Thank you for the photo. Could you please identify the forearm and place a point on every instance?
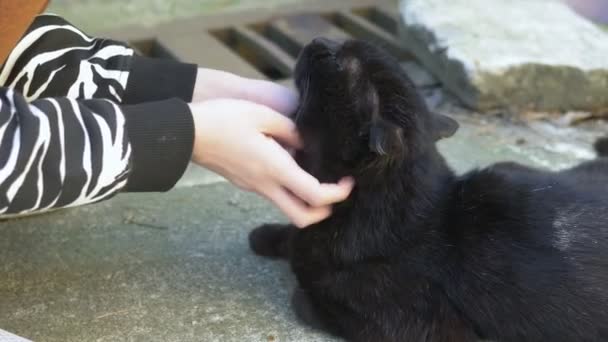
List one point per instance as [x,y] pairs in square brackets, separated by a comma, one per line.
[60,152]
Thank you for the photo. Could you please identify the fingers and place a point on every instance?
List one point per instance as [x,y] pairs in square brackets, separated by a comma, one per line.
[308,188]
[215,84]
[295,192]
[298,212]
[288,173]
[282,99]
[277,126]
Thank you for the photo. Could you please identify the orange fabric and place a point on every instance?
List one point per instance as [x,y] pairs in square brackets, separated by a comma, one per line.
[15,17]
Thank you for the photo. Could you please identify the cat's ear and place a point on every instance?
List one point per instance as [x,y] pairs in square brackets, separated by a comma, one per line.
[385,138]
[443,126]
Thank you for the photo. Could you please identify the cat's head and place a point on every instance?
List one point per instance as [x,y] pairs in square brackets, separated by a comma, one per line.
[359,111]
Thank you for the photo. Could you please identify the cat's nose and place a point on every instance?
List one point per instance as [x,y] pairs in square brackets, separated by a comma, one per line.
[327,43]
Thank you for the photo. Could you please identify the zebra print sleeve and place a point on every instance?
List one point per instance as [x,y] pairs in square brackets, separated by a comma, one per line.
[75,127]
[59,152]
[55,59]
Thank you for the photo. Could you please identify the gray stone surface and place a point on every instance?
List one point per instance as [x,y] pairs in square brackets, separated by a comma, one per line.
[171,267]
[177,267]
[518,53]
[196,175]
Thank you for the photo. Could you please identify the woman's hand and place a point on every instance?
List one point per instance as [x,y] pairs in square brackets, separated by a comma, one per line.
[214,84]
[239,140]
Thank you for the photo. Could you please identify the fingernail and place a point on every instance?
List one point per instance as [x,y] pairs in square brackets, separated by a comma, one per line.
[348,181]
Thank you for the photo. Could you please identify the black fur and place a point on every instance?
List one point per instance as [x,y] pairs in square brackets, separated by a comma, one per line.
[507,253]
[601,146]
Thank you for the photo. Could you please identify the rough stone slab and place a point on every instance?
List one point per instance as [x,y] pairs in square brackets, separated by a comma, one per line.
[510,53]
[147,267]
[176,267]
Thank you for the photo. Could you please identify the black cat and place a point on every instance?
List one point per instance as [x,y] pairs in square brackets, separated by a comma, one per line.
[506,253]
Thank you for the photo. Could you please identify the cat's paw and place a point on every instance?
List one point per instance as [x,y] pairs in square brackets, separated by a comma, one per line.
[270,240]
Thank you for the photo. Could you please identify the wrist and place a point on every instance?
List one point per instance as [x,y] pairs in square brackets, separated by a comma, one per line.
[160,135]
[202,149]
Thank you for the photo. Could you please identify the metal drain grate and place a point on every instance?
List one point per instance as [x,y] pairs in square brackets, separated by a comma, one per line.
[266,45]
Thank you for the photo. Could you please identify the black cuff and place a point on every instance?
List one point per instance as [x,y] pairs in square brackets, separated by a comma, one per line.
[154,79]
[161,135]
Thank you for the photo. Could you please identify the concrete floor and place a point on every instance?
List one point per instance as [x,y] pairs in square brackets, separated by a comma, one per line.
[176,266]
[171,267]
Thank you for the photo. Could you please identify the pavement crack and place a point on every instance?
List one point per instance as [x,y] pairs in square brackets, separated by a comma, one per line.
[119,312]
[146,225]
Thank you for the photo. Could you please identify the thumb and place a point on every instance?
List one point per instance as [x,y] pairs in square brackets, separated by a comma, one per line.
[277,126]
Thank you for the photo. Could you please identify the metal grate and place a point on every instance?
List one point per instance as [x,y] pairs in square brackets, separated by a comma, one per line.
[266,44]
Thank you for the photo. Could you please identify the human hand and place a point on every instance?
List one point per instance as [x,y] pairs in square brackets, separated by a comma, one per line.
[239,140]
[214,84]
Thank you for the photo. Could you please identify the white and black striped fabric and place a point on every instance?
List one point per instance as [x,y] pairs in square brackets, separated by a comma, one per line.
[71,132]
[54,59]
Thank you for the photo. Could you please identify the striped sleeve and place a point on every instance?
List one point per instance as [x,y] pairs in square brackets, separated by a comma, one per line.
[59,152]
[55,59]
[82,118]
